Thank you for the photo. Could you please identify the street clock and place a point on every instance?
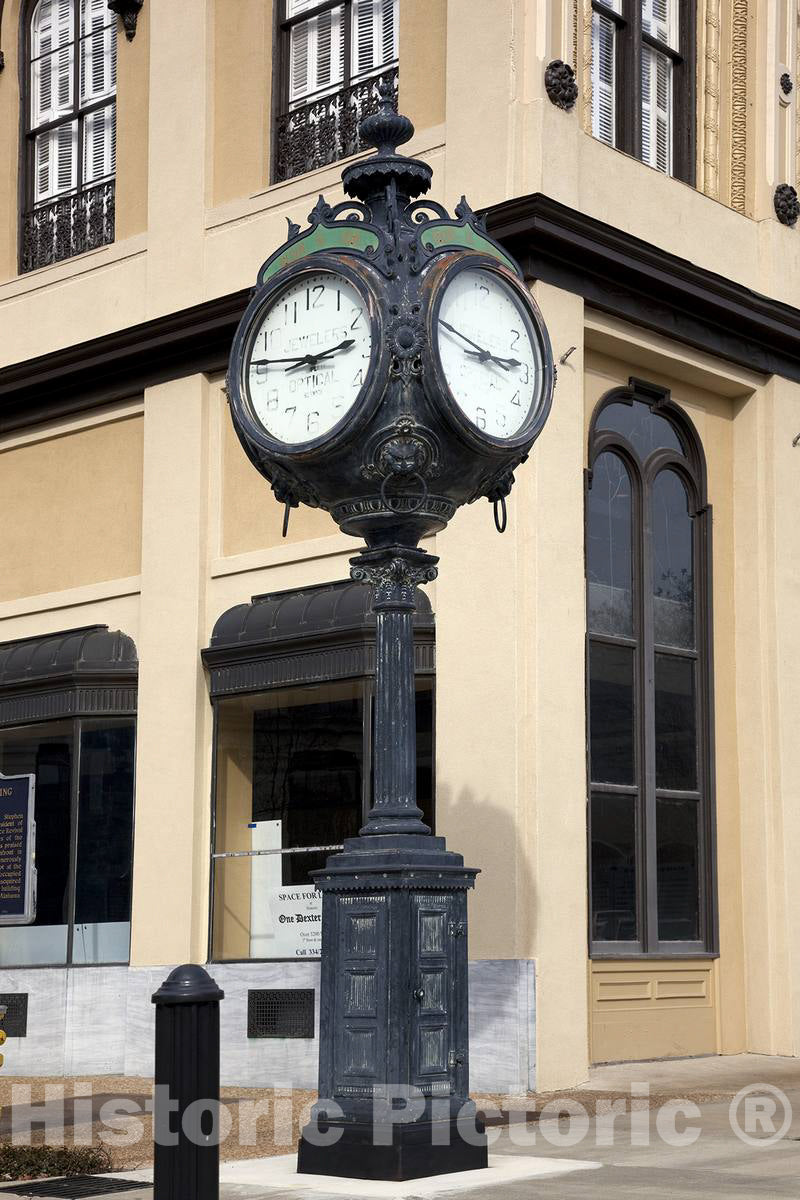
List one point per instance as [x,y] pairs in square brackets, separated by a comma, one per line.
[391,365]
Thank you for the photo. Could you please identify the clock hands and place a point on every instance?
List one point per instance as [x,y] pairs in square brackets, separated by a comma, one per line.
[307,360]
[479,352]
[485,356]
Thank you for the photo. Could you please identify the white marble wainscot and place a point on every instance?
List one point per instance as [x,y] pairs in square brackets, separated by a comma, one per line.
[265,1062]
[502,1026]
[94,1033]
[101,1020]
[41,1051]
[140,1018]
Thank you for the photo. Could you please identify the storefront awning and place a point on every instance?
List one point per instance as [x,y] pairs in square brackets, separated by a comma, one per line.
[304,636]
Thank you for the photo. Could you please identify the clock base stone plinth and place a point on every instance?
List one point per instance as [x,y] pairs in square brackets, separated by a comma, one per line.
[395,1153]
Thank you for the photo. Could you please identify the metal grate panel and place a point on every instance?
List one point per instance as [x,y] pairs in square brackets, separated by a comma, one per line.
[16,1019]
[280,1013]
[75,1187]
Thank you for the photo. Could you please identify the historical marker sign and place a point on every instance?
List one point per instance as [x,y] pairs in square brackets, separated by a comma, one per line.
[17,844]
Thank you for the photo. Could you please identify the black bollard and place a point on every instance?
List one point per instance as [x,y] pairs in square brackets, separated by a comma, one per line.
[186,1138]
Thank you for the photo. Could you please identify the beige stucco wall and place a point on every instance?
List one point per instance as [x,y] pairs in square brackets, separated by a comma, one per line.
[76,505]
[242,98]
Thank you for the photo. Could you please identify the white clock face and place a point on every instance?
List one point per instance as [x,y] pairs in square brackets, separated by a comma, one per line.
[490,355]
[309,357]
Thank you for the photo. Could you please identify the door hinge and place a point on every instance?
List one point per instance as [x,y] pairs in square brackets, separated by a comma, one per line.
[456,1058]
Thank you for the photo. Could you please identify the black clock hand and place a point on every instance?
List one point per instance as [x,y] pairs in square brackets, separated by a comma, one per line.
[485,356]
[479,352]
[458,333]
[299,358]
[311,360]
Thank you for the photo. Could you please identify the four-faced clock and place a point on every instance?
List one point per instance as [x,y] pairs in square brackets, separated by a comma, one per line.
[492,353]
[306,357]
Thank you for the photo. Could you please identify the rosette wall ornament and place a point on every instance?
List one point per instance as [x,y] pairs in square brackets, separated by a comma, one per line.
[391,367]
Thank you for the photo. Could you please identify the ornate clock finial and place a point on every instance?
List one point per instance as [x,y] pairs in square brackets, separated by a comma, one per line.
[386,130]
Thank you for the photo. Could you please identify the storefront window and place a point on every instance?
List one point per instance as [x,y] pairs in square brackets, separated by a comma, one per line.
[83,808]
[293,780]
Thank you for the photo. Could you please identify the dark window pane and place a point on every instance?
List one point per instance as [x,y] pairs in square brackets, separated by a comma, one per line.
[678,892]
[45,751]
[290,774]
[307,764]
[611,715]
[645,430]
[105,843]
[673,559]
[676,724]
[614,868]
[608,548]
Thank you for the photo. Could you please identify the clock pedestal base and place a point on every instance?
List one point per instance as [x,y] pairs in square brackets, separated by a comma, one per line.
[395,1152]
[394,1040]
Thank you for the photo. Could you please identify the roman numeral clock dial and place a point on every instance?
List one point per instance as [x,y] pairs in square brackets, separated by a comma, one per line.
[309,358]
[491,353]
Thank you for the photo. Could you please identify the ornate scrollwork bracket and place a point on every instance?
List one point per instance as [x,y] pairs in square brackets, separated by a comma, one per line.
[394,572]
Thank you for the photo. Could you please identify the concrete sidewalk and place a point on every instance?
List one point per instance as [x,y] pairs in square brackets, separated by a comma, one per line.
[667,1152]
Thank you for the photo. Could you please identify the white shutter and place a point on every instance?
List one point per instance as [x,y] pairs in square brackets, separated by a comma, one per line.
[660,20]
[56,161]
[53,60]
[603,78]
[374,34]
[100,144]
[316,55]
[98,51]
[656,110]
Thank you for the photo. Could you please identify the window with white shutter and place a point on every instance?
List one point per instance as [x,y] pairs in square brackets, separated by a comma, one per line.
[603,78]
[71,128]
[332,56]
[643,88]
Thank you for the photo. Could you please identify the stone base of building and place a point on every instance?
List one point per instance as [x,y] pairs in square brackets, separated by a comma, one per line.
[100,1021]
[394,1152]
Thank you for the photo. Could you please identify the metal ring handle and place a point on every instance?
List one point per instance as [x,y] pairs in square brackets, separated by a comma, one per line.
[388,502]
[500,524]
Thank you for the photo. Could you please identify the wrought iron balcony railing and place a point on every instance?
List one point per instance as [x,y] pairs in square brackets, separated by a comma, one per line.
[326,129]
[68,226]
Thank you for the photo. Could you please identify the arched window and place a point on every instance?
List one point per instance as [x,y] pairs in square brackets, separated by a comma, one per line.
[649,679]
[70,124]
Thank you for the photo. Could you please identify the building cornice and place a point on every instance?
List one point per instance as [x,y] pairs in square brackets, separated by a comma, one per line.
[642,283]
[120,364]
[613,271]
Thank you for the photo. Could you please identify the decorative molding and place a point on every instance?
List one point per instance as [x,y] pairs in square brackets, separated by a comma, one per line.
[787,206]
[129,11]
[575,6]
[586,73]
[560,84]
[797,106]
[739,105]
[711,94]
